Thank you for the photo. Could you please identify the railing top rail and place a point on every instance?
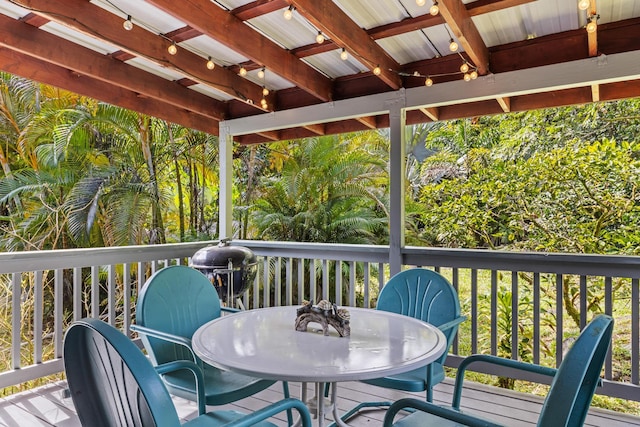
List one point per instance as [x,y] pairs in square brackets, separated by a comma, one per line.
[538,262]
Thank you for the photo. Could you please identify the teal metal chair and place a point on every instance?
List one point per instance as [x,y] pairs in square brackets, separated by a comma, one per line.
[113,384]
[426,295]
[173,303]
[566,405]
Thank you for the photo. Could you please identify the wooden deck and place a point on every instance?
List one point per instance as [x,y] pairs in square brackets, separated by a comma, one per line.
[48,406]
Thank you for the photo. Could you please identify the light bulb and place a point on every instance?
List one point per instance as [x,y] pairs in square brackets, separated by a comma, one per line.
[583,4]
[128,25]
[344,55]
[377,70]
[592,26]
[474,75]
[428,82]
[453,46]
[261,73]
[172,49]
[467,77]
[420,2]
[464,68]
[265,91]
[243,71]
[434,10]
[319,38]
[210,64]
[288,14]
[263,103]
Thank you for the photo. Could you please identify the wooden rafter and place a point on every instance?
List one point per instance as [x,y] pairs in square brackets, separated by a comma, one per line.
[593,36]
[332,21]
[28,40]
[459,20]
[232,32]
[35,69]
[98,23]
[432,113]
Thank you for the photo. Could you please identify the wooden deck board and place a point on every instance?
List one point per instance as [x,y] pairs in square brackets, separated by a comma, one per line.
[47,406]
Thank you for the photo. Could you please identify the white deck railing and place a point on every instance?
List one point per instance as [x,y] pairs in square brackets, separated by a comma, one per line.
[515,302]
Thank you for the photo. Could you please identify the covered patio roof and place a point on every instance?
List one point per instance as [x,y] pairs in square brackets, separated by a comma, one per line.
[333,67]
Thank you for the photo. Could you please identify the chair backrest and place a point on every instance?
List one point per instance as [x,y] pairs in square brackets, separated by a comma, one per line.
[112,383]
[176,300]
[423,294]
[575,383]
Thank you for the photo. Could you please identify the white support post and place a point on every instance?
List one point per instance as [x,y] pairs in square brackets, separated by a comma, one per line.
[225,201]
[397,122]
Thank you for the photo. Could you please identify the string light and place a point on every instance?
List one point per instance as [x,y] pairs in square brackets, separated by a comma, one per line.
[464,67]
[263,103]
[265,91]
[288,14]
[467,77]
[261,73]
[434,9]
[474,75]
[420,2]
[583,4]
[592,26]
[377,70]
[172,49]
[453,46]
[128,24]
[344,55]
[428,82]
[243,71]
[210,64]
[319,38]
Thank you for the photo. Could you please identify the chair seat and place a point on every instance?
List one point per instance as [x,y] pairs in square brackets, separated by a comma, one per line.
[412,381]
[225,387]
[220,418]
[422,419]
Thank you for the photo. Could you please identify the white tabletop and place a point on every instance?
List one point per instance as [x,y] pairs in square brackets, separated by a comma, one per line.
[263,343]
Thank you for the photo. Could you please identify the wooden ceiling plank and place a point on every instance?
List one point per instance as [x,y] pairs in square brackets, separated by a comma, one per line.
[505,103]
[97,22]
[433,113]
[459,20]
[480,7]
[332,21]
[212,20]
[34,42]
[35,69]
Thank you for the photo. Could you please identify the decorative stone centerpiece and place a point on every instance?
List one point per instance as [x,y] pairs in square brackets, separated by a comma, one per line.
[324,313]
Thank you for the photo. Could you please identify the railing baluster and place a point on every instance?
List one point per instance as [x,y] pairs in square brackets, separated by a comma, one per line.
[338,286]
[455,282]
[559,328]
[635,330]
[325,279]
[58,311]
[352,283]
[474,311]
[367,285]
[77,293]
[38,316]
[111,293]
[608,309]
[95,291]
[289,281]
[277,282]
[536,318]
[312,281]
[126,290]
[266,283]
[583,301]
[514,315]
[301,293]
[494,312]
[16,317]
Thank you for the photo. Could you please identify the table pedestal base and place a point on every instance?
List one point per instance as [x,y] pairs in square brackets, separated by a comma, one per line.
[319,412]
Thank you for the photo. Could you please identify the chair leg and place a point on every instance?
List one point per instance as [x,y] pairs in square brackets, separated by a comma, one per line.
[285,391]
[429,394]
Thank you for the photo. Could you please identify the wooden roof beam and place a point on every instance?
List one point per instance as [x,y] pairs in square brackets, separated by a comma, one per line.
[592,37]
[97,22]
[459,20]
[29,40]
[433,113]
[235,34]
[505,103]
[38,70]
[332,21]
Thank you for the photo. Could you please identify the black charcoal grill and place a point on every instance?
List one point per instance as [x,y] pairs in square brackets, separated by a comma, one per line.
[224,263]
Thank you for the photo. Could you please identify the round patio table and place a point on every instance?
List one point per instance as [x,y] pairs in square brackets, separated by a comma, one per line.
[263,343]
